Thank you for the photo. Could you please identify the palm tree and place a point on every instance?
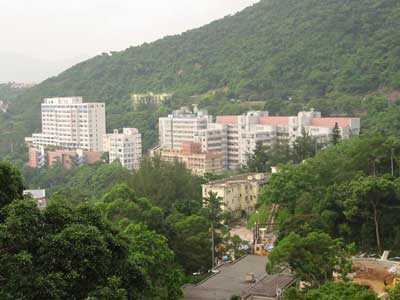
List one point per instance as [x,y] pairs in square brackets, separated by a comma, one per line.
[213,212]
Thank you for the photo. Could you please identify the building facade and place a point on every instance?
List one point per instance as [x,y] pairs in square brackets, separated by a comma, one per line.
[40,157]
[236,137]
[149,99]
[39,196]
[181,127]
[3,106]
[198,162]
[69,123]
[125,146]
[246,131]
[239,193]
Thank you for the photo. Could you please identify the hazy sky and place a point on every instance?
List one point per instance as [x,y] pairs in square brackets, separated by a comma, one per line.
[56,30]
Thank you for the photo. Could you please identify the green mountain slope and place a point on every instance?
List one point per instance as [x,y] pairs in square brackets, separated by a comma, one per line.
[275,49]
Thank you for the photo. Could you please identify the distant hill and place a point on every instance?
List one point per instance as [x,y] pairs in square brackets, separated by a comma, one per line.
[276,49]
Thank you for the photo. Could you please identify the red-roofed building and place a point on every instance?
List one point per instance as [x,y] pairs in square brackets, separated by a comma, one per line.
[273,121]
[330,122]
[237,136]
[244,132]
[227,119]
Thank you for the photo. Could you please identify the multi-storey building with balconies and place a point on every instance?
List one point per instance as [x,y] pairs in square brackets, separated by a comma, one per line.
[125,147]
[181,127]
[236,137]
[246,131]
[69,123]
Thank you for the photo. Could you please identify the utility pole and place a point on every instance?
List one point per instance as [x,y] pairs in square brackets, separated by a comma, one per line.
[392,160]
[212,246]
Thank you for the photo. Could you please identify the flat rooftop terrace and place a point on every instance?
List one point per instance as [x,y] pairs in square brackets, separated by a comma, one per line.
[230,280]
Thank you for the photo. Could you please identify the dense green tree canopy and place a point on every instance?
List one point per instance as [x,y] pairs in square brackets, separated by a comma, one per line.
[346,190]
[333,291]
[312,257]
[84,183]
[190,238]
[11,185]
[166,184]
[73,253]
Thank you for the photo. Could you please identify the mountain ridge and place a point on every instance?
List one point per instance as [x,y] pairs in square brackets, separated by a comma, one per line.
[275,49]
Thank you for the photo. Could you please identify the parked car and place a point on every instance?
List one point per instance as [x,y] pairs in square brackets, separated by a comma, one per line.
[395,259]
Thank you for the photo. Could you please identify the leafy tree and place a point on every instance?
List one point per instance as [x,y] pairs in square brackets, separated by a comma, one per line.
[58,256]
[112,291]
[304,147]
[122,207]
[166,184]
[312,195]
[86,183]
[333,291]
[189,237]
[213,212]
[368,198]
[11,185]
[72,253]
[312,258]
[335,134]
[265,157]
[258,161]
[235,245]
[150,251]
[394,294]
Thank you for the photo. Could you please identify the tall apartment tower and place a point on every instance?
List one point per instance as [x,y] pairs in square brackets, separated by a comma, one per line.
[181,127]
[125,147]
[69,123]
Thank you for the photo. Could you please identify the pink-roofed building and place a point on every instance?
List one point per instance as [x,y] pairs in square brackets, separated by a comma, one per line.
[274,121]
[244,132]
[236,136]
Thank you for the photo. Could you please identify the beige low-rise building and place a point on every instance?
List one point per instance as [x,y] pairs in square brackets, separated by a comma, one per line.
[39,196]
[198,162]
[149,99]
[239,193]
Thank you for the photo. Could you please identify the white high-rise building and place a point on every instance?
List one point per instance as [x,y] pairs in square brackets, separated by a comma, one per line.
[237,136]
[69,123]
[125,147]
[181,127]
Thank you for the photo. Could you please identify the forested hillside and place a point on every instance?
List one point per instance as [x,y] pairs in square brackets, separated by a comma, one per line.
[309,50]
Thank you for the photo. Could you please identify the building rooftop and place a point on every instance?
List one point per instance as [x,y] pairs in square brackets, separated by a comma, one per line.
[35,194]
[230,280]
[273,120]
[227,119]
[242,177]
[284,120]
[330,122]
[270,285]
[63,100]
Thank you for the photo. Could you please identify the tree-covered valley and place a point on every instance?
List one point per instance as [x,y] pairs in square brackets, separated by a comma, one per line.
[113,234]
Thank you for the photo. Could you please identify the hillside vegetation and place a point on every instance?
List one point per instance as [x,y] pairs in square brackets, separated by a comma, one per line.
[275,50]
